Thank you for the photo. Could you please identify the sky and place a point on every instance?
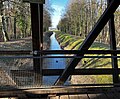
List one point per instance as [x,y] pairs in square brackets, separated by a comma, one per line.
[59,7]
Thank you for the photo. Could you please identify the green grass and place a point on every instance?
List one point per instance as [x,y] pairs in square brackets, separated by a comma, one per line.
[71,42]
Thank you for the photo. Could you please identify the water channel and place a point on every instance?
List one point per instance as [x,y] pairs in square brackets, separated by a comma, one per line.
[53,63]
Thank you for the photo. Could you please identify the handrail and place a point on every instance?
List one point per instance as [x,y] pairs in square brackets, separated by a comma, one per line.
[56,72]
[44,52]
[39,57]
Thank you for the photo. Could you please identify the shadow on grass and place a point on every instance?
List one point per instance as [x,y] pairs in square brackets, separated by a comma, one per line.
[96,62]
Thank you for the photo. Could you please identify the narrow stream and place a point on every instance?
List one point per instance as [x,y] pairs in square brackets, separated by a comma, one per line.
[53,63]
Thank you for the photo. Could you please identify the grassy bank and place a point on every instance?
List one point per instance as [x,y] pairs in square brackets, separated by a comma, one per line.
[70,42]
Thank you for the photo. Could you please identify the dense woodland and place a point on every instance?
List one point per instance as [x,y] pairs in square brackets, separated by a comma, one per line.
[81,15]
[78,19]
[15,19]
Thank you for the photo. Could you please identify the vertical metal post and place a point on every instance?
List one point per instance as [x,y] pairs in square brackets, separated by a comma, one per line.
[113,47]
[40,13]
[37,39]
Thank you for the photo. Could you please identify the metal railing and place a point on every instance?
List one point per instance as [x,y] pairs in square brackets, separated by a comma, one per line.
[23,78]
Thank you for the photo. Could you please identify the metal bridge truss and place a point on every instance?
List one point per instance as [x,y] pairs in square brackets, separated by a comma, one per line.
[37,53]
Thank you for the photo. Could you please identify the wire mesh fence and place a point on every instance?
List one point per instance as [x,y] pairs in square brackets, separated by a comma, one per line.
[18,71]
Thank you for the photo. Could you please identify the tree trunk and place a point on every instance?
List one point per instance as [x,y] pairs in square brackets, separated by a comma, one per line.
[6,38]
[1,13]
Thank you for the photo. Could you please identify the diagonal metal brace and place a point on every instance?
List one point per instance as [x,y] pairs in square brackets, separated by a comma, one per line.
[114,4]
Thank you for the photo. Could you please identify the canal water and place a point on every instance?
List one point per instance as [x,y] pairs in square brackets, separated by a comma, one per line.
[53,63]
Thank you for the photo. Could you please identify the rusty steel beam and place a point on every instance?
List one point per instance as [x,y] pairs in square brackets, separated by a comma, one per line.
[89,40]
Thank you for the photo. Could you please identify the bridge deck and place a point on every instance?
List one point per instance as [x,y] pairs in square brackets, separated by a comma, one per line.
[89,96]
[65,92]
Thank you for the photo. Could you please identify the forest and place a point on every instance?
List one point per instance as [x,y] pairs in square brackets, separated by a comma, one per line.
[15,19]
[80,17]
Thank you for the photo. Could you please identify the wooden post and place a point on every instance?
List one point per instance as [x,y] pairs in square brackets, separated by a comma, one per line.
[113,47]
[37,39]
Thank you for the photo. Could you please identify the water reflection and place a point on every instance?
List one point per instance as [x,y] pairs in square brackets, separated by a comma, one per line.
[53,63]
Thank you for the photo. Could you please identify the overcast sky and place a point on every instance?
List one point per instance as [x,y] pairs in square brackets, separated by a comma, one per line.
[59,7]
